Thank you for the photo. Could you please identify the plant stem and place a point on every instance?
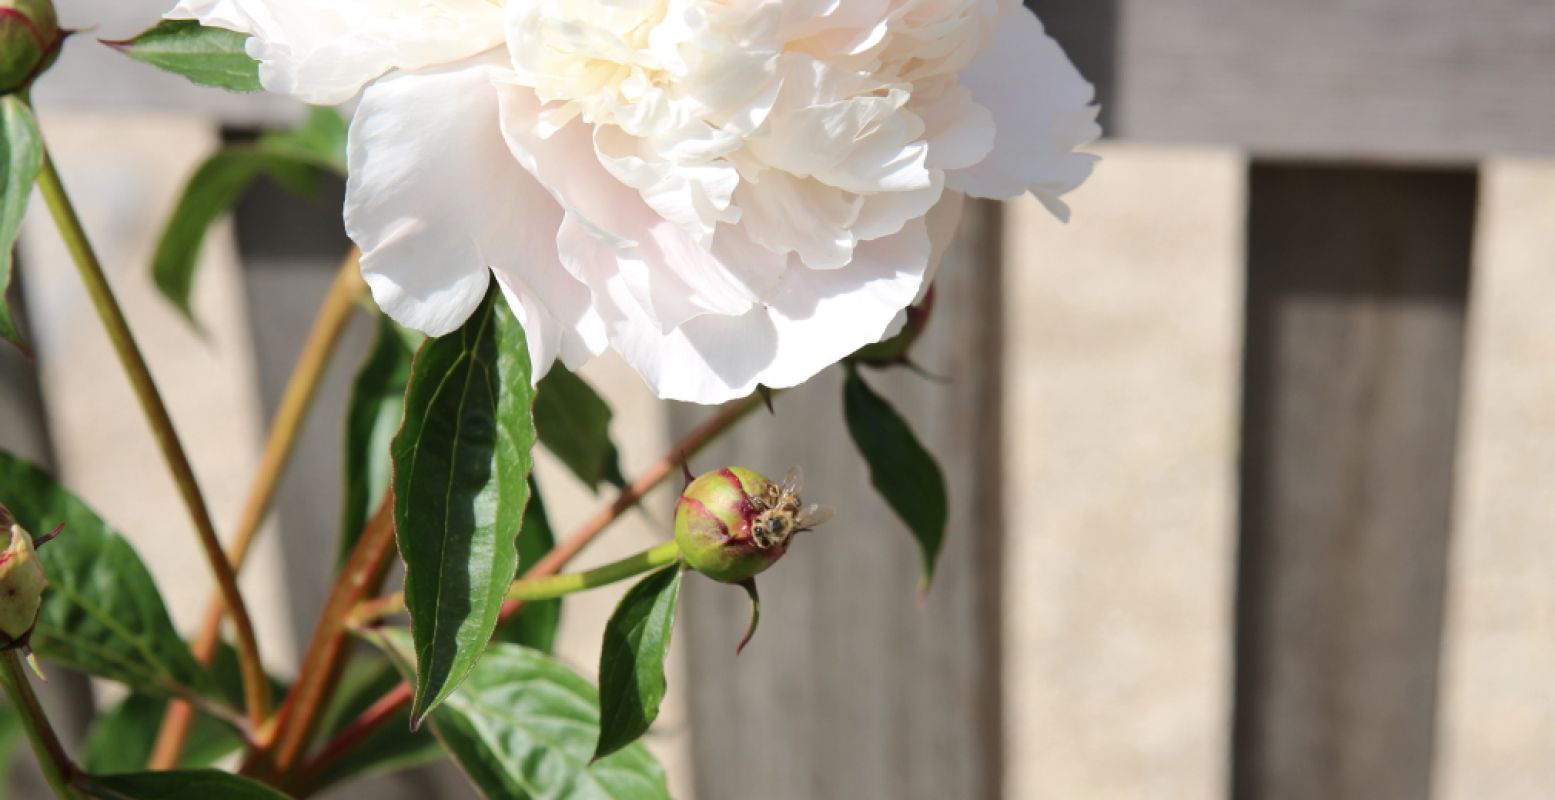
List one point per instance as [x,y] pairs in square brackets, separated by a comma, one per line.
[57,767]
[256,687]
[548,587]
[360,578]
[284,429]
[384,710]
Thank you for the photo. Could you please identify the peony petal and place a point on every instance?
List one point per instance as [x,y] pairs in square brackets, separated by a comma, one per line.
[324,51]
[1042,112]
[816,318]
[435,198]
[669,273]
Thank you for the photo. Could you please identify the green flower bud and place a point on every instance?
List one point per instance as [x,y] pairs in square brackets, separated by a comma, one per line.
[733,523]
[21,582]
[29,40]
[893,351]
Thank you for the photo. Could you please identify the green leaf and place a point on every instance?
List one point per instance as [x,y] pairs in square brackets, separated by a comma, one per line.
[191,784]
[631,660]
[904,473]
[21,156]
[292,158]
[122,739]
[535,624]
[461,468]
[101,614]
[207,56]
[392,747]
[320,140]
[574,423]
[523,726]
[373,415]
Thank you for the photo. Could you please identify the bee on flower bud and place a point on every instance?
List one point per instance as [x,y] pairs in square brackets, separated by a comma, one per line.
[733,523]
[29,41]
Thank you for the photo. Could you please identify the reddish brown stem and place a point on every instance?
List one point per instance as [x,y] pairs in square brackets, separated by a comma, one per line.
[386,708]
[328,650]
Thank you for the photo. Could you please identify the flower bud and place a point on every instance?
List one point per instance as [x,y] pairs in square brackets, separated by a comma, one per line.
[733,523]
[893,351]
[21,582]
[29,40]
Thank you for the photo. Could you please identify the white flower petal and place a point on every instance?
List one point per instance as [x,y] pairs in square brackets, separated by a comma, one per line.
[671,275]
[323,51]
[1042,112]
[816,318]
[435,198]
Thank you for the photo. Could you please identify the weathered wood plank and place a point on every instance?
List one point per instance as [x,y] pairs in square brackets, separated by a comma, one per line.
[1357,283]
[850,689]
[1383,79]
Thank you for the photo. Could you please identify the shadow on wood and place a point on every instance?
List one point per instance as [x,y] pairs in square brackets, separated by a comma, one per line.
[1357,284]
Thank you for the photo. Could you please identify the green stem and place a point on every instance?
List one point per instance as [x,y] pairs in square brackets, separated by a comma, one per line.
[256,686]
[57,767]
[549,587]
[535,589]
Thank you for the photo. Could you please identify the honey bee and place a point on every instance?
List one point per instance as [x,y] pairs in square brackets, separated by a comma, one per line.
[783,514]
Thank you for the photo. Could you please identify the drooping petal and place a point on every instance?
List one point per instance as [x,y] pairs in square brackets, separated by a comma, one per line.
[1042,112]
[814,319]
[324,51]
[435,198]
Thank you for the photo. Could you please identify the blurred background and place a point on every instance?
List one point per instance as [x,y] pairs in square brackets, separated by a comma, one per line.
[1252,465]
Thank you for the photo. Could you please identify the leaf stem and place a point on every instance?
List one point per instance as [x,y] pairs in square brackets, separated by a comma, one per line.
[57,767]
[256,687]
[301,388]
[545,587]
[384,710]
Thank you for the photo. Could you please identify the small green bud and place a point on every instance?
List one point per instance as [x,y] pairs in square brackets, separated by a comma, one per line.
[21,582]
[894,351]
[733,523]
[29,40]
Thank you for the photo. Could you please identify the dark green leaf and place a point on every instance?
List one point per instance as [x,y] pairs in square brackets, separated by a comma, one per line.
[392,747]
[320,140]
[101,614]
[631,660]
[122,739]
[207,56]
[461,468]
[292,158]
[904,473]
[373,415]
[192,784]
[21,156]
[523,726]
[536,623]
[574,423]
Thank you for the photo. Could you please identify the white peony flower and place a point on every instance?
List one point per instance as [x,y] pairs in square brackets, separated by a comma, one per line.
[726,192]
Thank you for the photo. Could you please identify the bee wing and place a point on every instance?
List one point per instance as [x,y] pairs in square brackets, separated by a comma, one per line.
[813,515]
[793,481]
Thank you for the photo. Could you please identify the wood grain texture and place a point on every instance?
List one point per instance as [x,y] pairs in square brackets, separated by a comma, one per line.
[1357,284]
[1436,80]
[850,689]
